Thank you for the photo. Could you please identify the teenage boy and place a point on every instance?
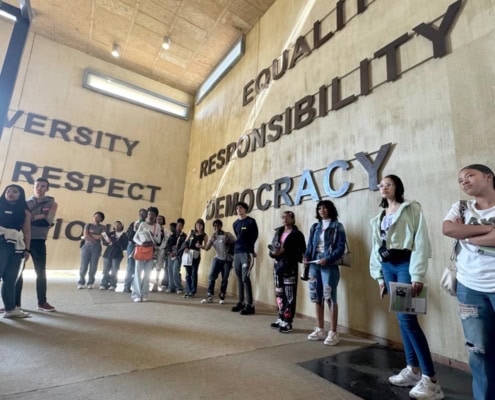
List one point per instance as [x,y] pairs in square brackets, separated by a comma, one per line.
[43,209]
[222,242]
[246,231]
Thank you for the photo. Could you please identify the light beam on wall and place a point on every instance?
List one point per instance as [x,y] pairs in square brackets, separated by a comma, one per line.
[234,55]
[134,94]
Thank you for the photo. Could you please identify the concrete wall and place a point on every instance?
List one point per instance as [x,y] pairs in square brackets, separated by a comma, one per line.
[49,88]
[438,116]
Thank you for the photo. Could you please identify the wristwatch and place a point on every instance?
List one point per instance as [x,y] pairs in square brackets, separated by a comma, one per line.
[467,240]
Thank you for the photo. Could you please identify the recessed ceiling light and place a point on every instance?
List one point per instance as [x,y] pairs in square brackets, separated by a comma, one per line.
[116,50]
[166,42]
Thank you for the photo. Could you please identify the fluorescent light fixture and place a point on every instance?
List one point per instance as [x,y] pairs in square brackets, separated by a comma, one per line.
[134,94]
[6,15]
[166,42]
[234,55]
[116,50]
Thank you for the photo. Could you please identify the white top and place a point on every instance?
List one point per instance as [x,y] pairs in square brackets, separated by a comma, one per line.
[147,233]
[320,248]
[474,270]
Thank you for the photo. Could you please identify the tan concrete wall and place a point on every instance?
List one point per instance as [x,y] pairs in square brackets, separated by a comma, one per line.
[50,84]
[438,116]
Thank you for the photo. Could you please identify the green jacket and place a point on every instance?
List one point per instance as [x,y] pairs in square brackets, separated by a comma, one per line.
[408,231]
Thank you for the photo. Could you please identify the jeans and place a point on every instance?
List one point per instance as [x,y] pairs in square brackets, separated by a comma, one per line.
[10,265]
[174,278]
[111,268]
[323,282]
[219,267]
[90,254]
[141,281]
[192,276]
[243,262]
[131,267]
[415,343]
[477,312]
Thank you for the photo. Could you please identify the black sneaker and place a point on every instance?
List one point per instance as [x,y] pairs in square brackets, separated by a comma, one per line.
[276,324]
[248,310]
[238,307]
[285,327]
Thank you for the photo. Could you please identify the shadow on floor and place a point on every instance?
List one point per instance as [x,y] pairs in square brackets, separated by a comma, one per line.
[364,372]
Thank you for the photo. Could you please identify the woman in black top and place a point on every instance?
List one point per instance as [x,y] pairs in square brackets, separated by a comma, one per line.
[15,237]
[197,238]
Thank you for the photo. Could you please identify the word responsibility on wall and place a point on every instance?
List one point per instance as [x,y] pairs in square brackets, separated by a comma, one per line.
[310,107]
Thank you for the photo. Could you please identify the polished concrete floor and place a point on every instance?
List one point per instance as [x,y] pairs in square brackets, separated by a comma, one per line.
[101,345]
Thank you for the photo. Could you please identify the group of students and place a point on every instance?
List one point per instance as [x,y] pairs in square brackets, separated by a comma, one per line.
[400,252]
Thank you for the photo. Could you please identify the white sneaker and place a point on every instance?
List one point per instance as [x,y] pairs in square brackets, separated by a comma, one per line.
[209,299]
[79,286]
[405,378]
[136,299]
[332,339]
[427,390]
[221,301]
[90,286]
[16,313]
[317,334]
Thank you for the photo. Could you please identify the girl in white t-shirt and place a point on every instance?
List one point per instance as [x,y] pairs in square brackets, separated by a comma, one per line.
[476,273]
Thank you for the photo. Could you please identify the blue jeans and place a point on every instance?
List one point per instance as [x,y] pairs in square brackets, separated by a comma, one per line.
[415,343]
[111,268]
[323,282]
[477,312]
[192,276]
[174,276]
[219,267]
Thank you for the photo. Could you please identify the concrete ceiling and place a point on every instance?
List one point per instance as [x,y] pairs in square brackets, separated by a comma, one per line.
[202,31]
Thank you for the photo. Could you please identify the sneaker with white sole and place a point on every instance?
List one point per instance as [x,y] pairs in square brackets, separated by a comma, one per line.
[91,286]
[221,301]
[332,339]
[209,299]
[16,313]
[46,307]
[79,286]
[405,378]
[317,334]
[276,324]
[285,327]
[136,299]
[426,389]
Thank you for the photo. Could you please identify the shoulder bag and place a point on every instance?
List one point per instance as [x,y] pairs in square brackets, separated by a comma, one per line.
[448,281]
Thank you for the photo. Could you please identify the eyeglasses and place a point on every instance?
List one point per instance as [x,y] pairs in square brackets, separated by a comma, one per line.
[384,185]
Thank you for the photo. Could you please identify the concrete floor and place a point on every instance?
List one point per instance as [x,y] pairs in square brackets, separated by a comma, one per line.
[101,345]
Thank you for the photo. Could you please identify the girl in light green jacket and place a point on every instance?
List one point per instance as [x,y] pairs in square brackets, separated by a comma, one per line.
[400,252]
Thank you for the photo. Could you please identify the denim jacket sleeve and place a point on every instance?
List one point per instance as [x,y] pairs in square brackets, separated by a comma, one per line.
[334,251]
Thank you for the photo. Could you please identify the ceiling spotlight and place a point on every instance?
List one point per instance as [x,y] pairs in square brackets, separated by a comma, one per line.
[166,42]
[116,50]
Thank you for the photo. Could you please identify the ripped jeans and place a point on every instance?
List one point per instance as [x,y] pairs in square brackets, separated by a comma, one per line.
[323,282]
[477,312]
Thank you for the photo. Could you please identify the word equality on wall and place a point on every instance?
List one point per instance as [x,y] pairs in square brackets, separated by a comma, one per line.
[224,206]
[310,107]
